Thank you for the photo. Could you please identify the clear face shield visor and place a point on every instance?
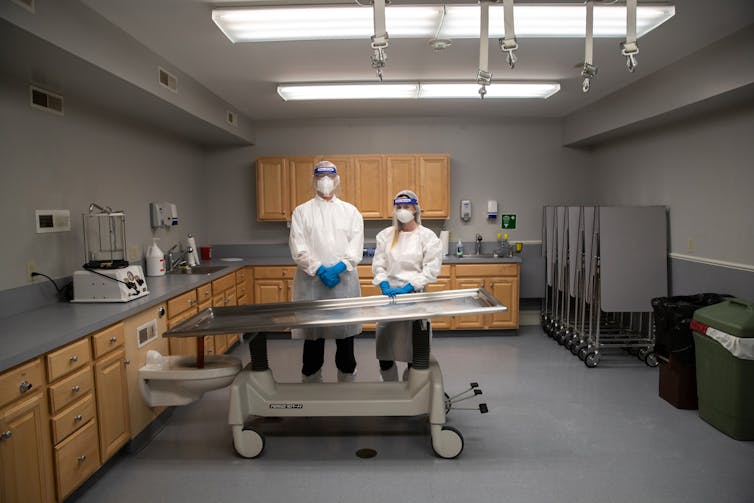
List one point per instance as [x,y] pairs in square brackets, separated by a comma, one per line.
[406,209]
[326,183]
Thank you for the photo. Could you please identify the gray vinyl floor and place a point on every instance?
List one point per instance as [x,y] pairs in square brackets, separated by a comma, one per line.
[556,432]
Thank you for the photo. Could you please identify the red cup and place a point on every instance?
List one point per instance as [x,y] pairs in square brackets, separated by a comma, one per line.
[206,252]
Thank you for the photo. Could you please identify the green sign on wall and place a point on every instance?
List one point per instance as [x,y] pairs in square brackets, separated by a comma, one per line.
[508,221]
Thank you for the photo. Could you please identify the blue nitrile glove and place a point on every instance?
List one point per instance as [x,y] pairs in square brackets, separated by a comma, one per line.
[385,287]
[332,273]
[407,288]
[321,274]
[320,270]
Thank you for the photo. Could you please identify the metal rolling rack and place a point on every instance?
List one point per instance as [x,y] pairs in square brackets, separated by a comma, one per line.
[605,264]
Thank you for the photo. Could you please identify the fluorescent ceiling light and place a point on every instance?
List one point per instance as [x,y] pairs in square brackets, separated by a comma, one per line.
[414,90]
[263,24]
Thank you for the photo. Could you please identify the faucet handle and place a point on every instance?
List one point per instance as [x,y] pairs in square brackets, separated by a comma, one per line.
[479,237]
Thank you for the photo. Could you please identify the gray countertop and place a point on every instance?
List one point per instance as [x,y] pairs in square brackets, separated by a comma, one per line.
[27,335]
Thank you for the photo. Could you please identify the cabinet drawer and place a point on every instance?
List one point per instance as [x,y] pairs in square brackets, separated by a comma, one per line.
[68,359]
[274,272]
[224,283]
[107,340]
[72,418]
[204,305]
[204,293]
[70,388]
[181,317]
[177,305]
[76,458]
[241,276]
[444,271]
[219,300]
[241,289]
[20,381]
[482,270]
[365,271]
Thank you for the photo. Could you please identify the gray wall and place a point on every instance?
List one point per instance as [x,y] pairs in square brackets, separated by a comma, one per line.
[519,163]
[66,162]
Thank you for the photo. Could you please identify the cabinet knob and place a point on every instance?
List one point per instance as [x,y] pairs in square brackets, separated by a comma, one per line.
[161,312]
[76,388]
[78,418]
[6,435]
[74,358]
[113,340]
[82,458]
[127,361]
[24,387]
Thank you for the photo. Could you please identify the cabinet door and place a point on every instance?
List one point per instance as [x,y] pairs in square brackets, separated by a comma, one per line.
[344,164]
[267,291]
[506,291]
[371,188]
[112,403]
[401,175]
[434,185]
[25,454]
[301,170]
[273,192]
[472,322]
[438,286]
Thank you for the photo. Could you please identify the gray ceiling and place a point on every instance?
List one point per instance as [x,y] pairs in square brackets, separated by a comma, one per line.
[246,75]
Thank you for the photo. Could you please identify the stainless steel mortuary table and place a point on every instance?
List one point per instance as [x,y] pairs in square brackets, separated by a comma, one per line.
[255,392]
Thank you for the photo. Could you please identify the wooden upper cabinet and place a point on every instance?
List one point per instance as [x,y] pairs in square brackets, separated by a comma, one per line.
[371,186]
[434,185]
[301,171]
[344,164]
[273,196]
[401,175]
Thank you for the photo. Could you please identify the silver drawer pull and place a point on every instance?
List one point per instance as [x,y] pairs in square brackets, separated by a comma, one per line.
[76,388]
[127,362]
[113,340]
[6,435]
[78,418]
[24,387]
[74,358]
[82,458]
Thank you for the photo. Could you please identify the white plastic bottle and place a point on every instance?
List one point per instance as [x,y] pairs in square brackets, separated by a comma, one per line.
[459,249]
[155,260]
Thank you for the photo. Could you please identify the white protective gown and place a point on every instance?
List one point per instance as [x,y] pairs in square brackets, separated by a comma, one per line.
[325,233]
[416,259]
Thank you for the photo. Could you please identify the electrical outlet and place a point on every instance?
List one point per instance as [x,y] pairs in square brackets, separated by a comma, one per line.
[30,268]
[133,253]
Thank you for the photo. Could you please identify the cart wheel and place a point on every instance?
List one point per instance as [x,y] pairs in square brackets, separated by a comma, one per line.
[582,354]
[248,443]
[448,404]
[642,354]
[574,348]
[651,359]
[561,337]
[448,444]
[592,360]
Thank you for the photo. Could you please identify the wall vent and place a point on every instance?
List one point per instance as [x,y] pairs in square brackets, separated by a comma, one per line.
[26,4]
[231,118]
[168,80]
[45,100]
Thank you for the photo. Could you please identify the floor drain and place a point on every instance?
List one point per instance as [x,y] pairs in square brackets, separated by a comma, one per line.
[366,453]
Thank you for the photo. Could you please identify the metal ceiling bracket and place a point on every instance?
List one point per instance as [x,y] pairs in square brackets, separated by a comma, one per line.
[379,39]
[509,44]
[589,71]
[484,77]
[630,48]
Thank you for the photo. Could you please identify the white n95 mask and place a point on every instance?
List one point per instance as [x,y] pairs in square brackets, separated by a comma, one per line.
[325,185]
[403,215]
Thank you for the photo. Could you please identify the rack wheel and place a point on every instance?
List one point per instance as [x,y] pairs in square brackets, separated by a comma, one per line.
[642,354]
[592,360]
[248,443]
[574,348]
[651,359]
[582,354]
[448,443]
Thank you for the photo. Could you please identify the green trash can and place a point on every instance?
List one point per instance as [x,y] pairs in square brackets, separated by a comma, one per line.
[724,341]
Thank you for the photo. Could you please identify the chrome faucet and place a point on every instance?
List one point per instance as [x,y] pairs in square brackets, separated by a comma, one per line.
[175,262]
[478,244]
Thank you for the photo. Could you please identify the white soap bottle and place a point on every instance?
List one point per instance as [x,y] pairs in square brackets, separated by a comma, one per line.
[155,259]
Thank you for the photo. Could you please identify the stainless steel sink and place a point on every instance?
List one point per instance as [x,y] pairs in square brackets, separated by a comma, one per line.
[480,256]
[199,269]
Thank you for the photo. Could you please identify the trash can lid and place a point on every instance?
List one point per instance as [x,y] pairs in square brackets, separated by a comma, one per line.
[733,316]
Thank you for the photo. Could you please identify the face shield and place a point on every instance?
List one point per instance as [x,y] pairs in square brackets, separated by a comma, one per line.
[406,208]
[325,181]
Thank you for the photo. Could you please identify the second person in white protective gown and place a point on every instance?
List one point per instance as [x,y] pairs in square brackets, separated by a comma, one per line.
[407,258]
[326,242]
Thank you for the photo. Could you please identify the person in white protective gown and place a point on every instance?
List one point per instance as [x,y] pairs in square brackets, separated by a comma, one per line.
[326,242]
[407,258]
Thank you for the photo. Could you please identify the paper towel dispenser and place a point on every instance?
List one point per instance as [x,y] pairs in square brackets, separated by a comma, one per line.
[163,214]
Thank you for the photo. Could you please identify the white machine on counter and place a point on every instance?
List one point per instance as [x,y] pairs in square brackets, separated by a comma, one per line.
[107,275]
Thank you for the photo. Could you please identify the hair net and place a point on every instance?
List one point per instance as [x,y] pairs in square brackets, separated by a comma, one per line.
[326,168]
[407,197]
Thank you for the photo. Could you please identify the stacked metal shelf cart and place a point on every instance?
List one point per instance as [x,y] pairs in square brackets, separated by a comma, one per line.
[604,266]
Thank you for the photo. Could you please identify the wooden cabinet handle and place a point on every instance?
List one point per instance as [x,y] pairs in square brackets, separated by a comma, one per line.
[76,388]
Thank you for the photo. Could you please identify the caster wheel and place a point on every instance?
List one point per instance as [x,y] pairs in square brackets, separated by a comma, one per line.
[448,444]
[642,354]
[248,443]
[582,354]
[592,360]
[574,349]
[561,338]
[651,359]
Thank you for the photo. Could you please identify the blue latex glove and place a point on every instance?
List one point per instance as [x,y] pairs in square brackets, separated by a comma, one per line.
[331,276]
[385,287]
[328,282]
[407,288]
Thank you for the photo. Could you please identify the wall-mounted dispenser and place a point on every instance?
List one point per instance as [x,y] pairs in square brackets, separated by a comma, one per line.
[465,210]
[491,210]
[163,215]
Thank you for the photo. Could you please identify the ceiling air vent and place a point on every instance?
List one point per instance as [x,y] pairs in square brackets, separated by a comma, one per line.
[45,100]
[26,4]
[231,118]
[168,80]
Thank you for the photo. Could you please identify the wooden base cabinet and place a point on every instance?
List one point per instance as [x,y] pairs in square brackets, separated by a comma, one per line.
[111,384]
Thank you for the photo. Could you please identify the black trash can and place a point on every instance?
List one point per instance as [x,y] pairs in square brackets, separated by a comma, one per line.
[674,345]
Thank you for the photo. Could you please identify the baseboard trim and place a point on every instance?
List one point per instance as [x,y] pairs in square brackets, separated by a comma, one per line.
[711,261]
